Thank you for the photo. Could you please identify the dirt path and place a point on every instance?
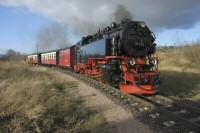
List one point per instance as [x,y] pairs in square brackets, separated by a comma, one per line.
[119,120]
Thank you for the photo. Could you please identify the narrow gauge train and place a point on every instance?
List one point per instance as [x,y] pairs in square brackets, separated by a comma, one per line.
[121,55]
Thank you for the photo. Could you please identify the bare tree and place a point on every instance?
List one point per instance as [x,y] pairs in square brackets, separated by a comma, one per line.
[13,56]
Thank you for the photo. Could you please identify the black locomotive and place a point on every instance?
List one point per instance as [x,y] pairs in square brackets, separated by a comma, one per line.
[129,38]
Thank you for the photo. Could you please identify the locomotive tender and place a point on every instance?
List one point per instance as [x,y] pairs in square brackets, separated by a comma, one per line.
[121,55]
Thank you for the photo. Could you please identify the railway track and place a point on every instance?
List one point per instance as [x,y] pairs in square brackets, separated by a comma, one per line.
[160,112]
[187,112]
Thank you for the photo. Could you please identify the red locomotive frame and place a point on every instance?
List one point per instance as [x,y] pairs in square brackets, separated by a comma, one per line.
[128,84]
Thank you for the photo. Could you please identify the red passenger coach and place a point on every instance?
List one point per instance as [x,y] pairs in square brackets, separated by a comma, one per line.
[33,59]
[66,57]
[48,58]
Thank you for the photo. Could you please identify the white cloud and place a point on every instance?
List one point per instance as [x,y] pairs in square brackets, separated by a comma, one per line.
[87,15]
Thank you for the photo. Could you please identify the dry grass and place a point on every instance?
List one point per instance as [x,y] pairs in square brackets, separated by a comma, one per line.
[185,58]
[180,71]
[31,100]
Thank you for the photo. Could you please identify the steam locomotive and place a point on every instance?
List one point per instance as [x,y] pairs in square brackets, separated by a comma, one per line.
[121,55]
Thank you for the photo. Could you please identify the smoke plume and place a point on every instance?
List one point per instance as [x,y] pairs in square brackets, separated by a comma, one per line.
[82,13]
[86,16]
[52,36]
[121,13]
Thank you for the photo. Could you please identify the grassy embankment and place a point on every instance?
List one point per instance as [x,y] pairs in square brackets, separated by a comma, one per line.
[31,100]
[180,71]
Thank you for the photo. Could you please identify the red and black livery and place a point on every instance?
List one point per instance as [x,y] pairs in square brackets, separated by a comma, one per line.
[121,55]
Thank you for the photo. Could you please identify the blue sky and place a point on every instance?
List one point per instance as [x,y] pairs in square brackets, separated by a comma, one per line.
[19,28]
